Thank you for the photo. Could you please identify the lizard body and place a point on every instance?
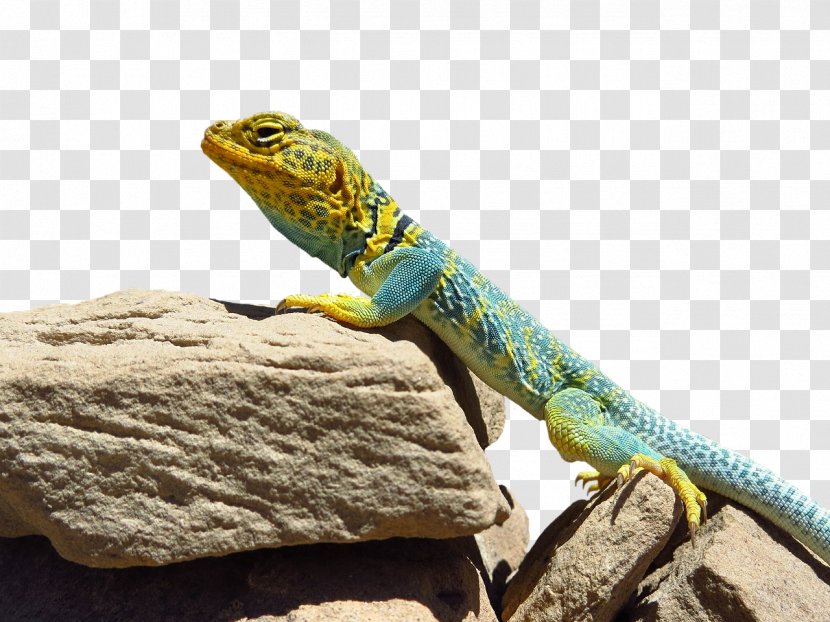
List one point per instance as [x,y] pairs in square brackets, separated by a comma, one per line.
[314,191]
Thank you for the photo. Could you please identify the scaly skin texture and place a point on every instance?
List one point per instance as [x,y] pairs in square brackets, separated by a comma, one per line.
[317,194]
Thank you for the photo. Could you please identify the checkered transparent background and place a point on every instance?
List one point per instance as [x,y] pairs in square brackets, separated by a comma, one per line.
[652,181]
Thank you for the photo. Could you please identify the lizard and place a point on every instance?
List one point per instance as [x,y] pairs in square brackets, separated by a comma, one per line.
[316,193]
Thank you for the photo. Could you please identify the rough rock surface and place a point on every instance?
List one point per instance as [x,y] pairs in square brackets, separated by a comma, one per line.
[396,579]
[149,427]
[388,581]
[742,568]
[588,561]
[498,551]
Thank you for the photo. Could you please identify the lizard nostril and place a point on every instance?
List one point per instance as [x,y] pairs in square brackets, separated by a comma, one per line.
[219,125]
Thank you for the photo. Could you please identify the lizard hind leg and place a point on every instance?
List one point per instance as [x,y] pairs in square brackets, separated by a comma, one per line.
[579,429]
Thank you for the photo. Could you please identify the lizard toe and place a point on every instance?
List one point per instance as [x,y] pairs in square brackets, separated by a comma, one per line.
[694,500]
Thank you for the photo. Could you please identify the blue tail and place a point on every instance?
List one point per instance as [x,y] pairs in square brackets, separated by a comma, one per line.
[737,477]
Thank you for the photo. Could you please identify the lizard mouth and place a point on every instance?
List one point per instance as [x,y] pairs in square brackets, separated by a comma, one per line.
[215,147]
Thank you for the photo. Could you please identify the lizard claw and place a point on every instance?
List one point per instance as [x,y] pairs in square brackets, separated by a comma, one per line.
[694,501]
[287,303]
[597,480]
[626,472]
[586,476]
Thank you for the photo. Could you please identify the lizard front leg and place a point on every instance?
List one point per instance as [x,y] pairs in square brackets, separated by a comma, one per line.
[578,429]
[402,279]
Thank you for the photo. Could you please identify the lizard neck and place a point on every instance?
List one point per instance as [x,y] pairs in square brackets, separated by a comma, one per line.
[327,250]
[379,231]
[388,224]
[355,218]
[376,228]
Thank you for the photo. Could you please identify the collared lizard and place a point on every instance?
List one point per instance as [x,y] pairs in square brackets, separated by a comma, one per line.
[315,192]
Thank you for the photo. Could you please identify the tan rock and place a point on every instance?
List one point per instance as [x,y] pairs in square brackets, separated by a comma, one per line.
[393,580]
[742,568]
[588,561]
[148,427]
[484,407]
[503,547]
[499,550]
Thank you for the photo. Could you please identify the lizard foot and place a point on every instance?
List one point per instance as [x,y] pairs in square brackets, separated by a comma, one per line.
[597,480]
[298,301]
[310,304]
[666,469]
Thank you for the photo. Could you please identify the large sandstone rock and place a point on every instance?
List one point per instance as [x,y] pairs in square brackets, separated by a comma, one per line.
[588,561]
[397,580]
[147,427]
[743,568]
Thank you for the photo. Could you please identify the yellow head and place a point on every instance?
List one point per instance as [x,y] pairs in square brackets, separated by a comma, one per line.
[308,184]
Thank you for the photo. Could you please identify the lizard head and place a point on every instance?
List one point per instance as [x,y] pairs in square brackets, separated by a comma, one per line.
[307,183]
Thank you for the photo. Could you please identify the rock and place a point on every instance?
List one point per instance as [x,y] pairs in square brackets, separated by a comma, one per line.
[148,427]
[742,568]
[588,561]
[392,580]
[498,551]
[484,407]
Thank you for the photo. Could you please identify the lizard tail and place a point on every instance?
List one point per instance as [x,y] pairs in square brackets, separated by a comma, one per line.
[737,477]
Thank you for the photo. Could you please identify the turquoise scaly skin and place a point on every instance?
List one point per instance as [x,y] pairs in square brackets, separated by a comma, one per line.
[314,191]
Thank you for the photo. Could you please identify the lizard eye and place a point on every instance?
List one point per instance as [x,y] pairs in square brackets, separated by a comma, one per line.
[268,133]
